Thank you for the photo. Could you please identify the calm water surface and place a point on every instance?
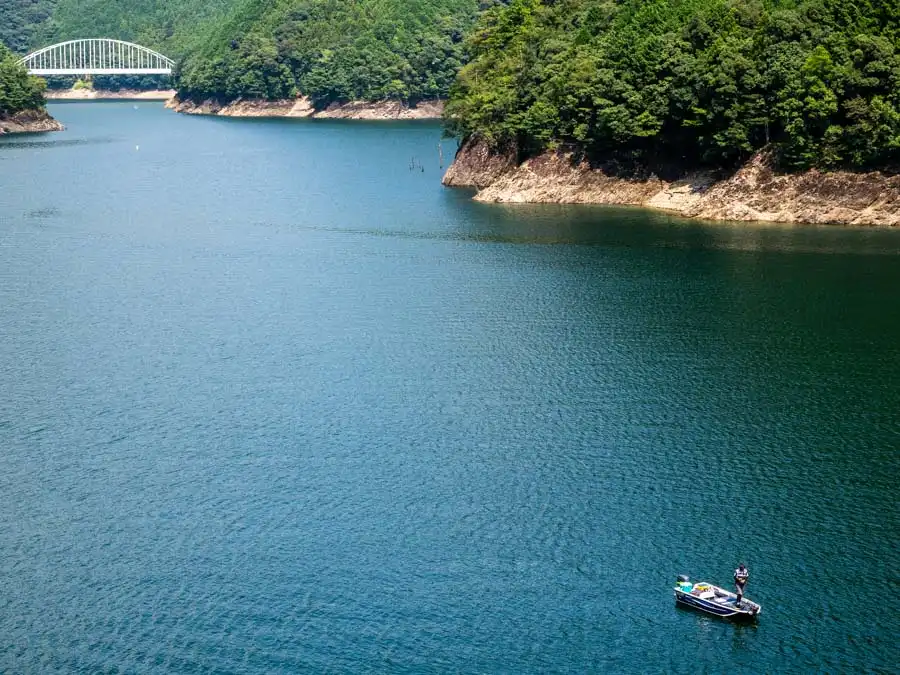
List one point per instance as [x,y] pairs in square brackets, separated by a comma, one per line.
[275,401]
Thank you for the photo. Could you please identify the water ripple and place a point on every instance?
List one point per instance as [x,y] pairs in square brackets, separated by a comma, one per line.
[252,424]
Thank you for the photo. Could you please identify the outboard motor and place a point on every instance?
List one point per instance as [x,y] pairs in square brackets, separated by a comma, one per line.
[684,583]
[684,579]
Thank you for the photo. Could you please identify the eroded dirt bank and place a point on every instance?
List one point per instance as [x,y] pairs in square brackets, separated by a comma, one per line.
[302,107]
[29,121]
[755,192]
[102,94]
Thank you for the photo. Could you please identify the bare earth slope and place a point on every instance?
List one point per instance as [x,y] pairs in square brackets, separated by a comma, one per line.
[101,94]
[755,192]
[302,107]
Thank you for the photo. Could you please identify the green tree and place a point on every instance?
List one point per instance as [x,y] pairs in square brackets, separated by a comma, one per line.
[18,90]
[695,82]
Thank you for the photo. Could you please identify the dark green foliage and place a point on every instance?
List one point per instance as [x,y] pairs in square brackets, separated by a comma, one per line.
[23,23]
[331,50]
[169,26]
[18,90]
[694,81]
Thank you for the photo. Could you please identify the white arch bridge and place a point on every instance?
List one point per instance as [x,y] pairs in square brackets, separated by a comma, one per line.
[97,56]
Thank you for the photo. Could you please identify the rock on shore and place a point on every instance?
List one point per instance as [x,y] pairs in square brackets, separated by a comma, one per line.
[29,121]
[302,107]
[756,192]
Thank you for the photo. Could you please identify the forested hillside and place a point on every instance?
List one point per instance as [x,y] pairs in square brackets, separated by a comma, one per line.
[697,82]
[331,50]
[23,22]
[18,90]
[170,26]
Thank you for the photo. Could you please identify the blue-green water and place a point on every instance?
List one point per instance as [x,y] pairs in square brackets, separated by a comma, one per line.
[273,400]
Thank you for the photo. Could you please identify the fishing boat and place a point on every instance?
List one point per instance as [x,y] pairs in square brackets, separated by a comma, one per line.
[714,600]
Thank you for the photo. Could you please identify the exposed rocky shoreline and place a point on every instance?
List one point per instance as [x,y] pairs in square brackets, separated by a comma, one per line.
[302,107]
[102,94]
[754,193]
[29,121]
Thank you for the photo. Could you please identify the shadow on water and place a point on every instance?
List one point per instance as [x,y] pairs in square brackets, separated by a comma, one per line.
[636,227]
[615,226]
[630,227]
[741,633]
[39,141]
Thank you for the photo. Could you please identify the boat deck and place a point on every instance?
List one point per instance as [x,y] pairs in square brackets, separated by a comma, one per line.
[716,600]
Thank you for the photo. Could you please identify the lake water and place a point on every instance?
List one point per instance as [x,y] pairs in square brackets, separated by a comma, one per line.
[275,401]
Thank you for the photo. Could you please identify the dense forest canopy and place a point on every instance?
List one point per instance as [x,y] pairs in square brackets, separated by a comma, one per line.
[18,90]
[23,23]
[169,26]
[332,50]
[694,81]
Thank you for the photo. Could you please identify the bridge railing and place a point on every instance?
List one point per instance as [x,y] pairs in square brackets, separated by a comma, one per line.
[97,56]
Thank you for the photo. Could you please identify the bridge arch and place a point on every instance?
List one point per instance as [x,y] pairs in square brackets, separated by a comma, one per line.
[97,56]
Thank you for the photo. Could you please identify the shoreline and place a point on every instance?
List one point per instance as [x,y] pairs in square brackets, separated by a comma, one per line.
[302,108]
[107,95]
[29,122]
[755,192]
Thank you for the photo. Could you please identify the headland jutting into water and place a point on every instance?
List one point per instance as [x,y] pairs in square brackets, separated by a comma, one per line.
[755,192]
[22,106]
[28,121]
[776,111]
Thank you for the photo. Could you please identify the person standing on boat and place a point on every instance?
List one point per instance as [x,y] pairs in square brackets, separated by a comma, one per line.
[741,574]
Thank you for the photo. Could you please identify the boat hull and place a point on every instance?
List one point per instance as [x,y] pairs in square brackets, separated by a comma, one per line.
[748,613]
